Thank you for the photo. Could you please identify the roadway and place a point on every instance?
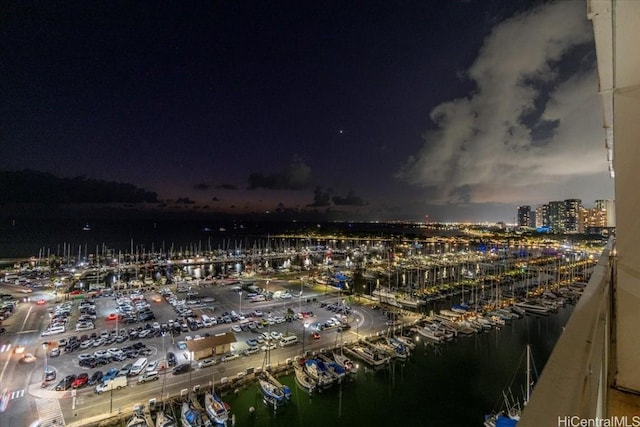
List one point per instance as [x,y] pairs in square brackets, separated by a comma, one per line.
[23,333]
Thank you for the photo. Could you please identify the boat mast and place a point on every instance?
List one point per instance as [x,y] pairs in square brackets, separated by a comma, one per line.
[528,374]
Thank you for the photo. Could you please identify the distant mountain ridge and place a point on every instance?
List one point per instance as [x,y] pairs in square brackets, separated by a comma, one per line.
[28,186]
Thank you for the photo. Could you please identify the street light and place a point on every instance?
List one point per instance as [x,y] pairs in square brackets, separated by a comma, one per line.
[304,333]
[164,368]
[45,347]
[240,297]
[300,296]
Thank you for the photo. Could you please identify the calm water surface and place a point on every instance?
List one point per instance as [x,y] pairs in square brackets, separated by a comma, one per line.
[453,385]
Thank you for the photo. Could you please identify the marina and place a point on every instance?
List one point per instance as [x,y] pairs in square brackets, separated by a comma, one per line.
[461,297]
[427,379]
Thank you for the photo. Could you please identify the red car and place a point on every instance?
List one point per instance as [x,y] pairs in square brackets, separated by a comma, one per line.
[316,336]
[81,380]
[41,302]
[112,316]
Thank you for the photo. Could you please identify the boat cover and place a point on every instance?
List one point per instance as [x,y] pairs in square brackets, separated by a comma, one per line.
[505,422]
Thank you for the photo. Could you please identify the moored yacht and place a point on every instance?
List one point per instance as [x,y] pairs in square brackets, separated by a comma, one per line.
[345,362]
[303,379]
[272,394]
[431,335]
[193,417]
[138,420]
[319,372]
[533,308]
[369,355]
[216,408]
[164,420]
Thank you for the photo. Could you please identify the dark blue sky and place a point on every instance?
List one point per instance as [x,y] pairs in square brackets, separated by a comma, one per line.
[243,105]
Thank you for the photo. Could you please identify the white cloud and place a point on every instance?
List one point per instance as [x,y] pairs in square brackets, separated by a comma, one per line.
[484,148]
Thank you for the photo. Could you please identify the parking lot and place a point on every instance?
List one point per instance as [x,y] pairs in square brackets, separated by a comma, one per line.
[131,325]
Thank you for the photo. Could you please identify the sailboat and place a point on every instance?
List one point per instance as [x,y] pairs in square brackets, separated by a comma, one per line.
[138,420]
[349,366]
[510,416]
[216,408]
[303,379]
[318,371]
[272,394]
[164,420]
[193,417]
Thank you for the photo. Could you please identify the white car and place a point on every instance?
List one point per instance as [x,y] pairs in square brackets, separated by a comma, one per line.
[236,329]
[148,376]
[152,366]
[28,358]
[115,351]
[251,350]
[102,353]
[268,346]
[230,356]
[206,363]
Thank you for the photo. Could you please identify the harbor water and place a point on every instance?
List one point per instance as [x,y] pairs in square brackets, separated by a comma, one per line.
[454,384]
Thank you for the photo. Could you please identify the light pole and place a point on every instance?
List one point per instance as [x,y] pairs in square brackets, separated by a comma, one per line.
[240,297]
[304,333]
[300,296]
[164,368]
[45,347]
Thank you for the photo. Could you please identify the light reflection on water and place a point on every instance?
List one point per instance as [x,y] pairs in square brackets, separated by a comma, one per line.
[454,385]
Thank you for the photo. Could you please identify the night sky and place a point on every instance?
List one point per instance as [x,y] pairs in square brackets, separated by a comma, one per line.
[460,110]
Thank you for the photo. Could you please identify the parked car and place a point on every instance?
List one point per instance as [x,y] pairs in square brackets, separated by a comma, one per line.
[95,378]
[65,383]
[182,368]
[251,350]
[148,376]
[268,346]
[230,356]
[171,359]
[125,370]
[206,363]
[81,380]
[50,374]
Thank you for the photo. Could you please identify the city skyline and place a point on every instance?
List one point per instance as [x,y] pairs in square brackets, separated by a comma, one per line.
[382,112]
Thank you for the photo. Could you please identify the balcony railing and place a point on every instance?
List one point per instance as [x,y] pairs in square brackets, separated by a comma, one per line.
[574,383]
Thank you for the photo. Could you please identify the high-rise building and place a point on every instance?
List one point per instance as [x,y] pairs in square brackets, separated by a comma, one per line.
[524,216]
[571,219]
[542,216]
[556,217]
[594,219]
[609,208]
